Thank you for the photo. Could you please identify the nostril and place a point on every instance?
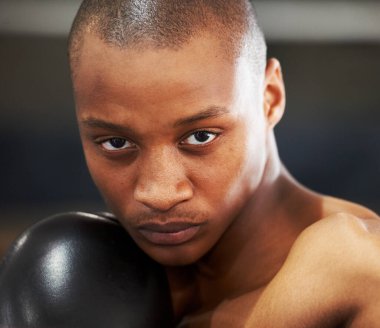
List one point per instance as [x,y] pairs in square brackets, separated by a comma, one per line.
[163,197]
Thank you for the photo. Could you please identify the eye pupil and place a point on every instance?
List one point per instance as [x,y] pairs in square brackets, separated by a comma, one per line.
[201,136]
[117,142]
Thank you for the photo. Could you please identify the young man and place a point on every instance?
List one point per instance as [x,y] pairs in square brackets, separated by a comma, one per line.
[176,105]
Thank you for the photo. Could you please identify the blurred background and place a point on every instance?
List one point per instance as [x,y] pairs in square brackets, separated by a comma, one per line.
[329,138]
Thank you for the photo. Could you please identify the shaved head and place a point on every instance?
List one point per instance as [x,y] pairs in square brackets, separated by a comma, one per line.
[170,24]
[176,105]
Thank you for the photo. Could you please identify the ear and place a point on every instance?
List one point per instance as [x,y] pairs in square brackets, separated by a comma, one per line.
[274,93]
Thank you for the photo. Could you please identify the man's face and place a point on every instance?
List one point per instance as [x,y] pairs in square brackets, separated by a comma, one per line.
[174,140]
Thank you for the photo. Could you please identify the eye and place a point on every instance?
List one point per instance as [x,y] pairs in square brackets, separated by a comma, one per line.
[200,138]
[116,143]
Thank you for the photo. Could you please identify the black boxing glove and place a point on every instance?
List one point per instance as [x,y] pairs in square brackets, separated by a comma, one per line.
[81,270]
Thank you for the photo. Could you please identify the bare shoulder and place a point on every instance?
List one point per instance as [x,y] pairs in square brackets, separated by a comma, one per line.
[330,278]
[347,234]
[347,231]
[351,242]
[332,206]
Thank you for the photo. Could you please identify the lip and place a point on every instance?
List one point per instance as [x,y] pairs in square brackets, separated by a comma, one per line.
[169,234]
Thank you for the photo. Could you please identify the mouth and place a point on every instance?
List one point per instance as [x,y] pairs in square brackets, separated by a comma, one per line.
[169,234]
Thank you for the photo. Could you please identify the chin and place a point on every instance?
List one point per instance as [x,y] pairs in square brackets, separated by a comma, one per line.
[173,255]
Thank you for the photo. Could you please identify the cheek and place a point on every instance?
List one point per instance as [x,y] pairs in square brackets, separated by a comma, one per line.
[233,172]
[108,178]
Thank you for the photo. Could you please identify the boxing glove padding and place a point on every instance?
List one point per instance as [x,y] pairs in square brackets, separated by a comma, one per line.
[81,270]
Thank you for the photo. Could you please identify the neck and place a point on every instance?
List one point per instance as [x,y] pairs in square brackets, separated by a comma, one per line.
[261,235]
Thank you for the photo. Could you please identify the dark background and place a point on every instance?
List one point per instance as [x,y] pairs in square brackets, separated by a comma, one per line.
[329,138]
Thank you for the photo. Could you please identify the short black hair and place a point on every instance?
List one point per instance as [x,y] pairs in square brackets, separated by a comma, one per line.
[169,24]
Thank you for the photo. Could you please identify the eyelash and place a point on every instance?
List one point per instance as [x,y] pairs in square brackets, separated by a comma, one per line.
[215,135]
[102,141]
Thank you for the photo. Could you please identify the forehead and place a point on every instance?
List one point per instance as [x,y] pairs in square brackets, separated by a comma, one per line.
[149,78]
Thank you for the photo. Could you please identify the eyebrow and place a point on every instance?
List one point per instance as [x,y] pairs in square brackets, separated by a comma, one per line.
[210,112]
[97,123]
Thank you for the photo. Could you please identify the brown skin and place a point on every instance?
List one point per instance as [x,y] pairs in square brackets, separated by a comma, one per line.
[248,210]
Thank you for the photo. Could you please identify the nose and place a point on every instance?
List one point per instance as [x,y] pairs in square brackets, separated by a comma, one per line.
[162,181]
